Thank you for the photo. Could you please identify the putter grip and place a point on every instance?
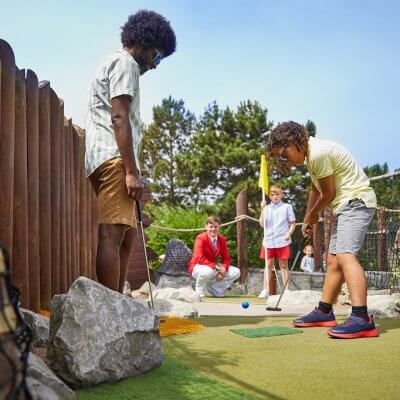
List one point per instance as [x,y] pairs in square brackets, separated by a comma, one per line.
[139,213]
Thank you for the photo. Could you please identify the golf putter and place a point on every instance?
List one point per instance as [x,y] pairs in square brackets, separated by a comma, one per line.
[303,242]
[139,213]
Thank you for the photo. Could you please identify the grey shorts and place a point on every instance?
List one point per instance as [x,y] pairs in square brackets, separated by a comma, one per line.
[350,227]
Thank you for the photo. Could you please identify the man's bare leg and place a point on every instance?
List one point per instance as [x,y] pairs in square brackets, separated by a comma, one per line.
[108,254]
[124,254]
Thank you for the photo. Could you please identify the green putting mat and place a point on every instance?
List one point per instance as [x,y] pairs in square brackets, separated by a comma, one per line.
[266,331]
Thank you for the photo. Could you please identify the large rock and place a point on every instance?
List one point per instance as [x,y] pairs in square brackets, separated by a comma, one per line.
[145,288]
[165,281]
[39,326]
[98,335]
[43,384]
[383,306]
[186,294]
[174,308]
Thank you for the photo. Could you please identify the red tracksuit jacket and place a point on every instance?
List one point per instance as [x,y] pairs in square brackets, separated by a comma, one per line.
[205,254]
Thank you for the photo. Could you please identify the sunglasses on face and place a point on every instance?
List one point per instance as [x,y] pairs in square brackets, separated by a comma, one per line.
[282,155]
[157,59]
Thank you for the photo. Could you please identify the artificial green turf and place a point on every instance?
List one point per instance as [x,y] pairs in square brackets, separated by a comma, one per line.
[268,331]
[172,381]
[310,366]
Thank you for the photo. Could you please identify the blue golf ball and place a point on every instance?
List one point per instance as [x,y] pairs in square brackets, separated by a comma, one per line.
[245,304]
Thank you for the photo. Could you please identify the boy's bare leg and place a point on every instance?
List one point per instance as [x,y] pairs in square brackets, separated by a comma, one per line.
[270,275]
[354,276]
[283,265]
[333,280]
[108,258]
[124,253]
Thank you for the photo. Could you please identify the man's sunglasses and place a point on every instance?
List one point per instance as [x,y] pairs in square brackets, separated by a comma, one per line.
[157,59]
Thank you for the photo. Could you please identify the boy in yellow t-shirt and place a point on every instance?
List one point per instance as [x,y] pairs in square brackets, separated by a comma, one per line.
[337,181]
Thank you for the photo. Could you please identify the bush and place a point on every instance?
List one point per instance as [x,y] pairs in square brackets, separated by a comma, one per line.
[173,217]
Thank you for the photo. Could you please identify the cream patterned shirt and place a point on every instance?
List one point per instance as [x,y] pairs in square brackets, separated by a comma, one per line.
[117,75]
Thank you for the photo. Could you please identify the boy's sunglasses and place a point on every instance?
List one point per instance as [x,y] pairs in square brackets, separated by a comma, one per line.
[283,156]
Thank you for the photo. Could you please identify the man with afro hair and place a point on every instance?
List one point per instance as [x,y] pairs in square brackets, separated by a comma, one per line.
[113,135]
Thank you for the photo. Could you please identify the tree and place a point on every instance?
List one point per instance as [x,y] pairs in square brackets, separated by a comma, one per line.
[225,153]
[167,136]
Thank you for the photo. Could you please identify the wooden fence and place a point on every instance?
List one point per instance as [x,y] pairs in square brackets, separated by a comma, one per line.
[48,210]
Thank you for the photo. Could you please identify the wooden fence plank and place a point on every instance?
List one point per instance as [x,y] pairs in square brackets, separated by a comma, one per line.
[76,170]
[7,129]
[44,194]
[55,138]
[68,204]
[94,225]
[32,126]
[20,276]
[72,200]
[63,207]
[83,213]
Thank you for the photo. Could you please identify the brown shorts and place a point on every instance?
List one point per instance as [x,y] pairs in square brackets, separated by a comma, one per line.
[115,206]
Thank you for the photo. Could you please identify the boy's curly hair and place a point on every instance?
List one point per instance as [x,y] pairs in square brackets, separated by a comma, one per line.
[149,30]
[284,134]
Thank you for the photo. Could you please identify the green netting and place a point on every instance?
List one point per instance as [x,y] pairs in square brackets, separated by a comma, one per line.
[266,331]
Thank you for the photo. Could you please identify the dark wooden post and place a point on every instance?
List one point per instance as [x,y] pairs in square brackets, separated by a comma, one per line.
[20,224]
[381,242]
[94,227]
[7,132]
[83,212]
[77,169]
[63,207]
[45,195]
[241,229]
[90,265]
[32,120]
[72,199]
[55,139]
[68,205]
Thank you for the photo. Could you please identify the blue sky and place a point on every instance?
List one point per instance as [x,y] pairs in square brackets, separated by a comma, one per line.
[334,62]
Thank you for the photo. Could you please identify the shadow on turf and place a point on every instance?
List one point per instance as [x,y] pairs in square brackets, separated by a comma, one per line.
[206,365]
[216,321]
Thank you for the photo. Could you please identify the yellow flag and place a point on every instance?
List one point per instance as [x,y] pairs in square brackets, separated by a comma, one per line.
[263,179]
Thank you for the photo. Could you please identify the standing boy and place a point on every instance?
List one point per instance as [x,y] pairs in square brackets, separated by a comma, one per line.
[339,181]
[279,222]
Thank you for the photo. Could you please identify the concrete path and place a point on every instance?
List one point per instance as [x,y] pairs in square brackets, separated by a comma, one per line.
[235,309]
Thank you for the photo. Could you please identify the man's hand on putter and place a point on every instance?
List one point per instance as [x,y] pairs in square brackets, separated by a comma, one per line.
[134,186]
[307,230]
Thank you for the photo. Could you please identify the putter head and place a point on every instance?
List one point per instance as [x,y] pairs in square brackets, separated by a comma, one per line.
[273,309]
